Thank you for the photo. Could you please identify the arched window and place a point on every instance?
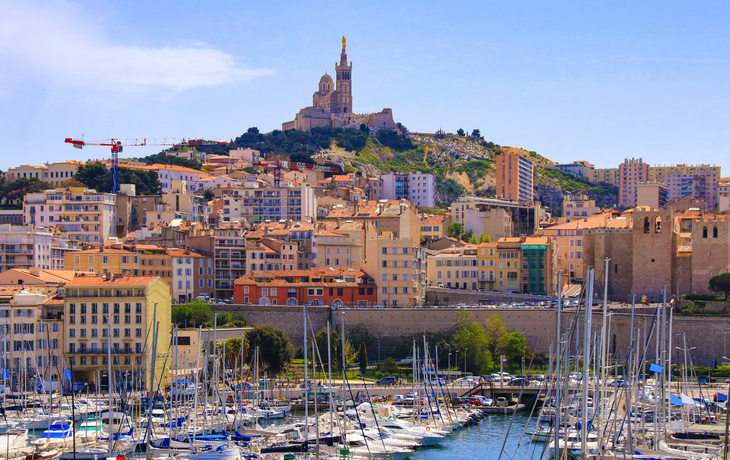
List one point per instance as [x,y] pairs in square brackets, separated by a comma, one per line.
[647,225]
[314,303]
[658,225]
[264,301]
[337,303]
[704,232]
[714,232]
[291,301]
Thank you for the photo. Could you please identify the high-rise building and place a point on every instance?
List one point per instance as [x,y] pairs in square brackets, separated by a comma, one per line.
[630,174]
[21,246]
[514,177]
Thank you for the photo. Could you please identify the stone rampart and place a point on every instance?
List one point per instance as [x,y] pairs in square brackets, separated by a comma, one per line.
[443,297]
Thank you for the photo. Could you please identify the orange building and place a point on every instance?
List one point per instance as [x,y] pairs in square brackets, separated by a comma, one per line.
[514,177]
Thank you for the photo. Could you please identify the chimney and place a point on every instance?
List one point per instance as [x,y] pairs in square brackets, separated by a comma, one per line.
[35,271]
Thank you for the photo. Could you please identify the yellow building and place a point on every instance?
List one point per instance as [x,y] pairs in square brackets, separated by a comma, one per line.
[103,260]
[454,267]
[508,264]
[604,176]
[487,260]
[433,226]
[103,312]
[336,249]
[396,266]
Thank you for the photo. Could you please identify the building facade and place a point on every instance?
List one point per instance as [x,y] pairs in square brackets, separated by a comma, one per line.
[116,315]
[414,186]
[631,173]
[514,177]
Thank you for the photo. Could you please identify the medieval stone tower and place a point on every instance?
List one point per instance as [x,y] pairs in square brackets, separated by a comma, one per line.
[344,81]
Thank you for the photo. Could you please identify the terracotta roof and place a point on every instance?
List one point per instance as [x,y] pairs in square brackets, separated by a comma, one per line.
[10,290]
[343,178]
[105,251]
[316,272]
[54,301]
[174,168]
[182,254]
[327,233]
[536,240]
[120,281]
[48,276]
[433,219]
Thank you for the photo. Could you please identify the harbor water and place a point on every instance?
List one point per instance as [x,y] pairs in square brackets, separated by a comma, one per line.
[485,441]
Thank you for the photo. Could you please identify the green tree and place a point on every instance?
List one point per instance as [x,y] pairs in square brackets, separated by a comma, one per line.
[364,128]
[721,283]
[496,331]
[476,134]
[484,238]
[95,175]
[467,235]
[460,132]
[194,314]
[362,357]
[390,366]
[335,346]
[232,357]
[471,339]
[274,347]
[455,230]
[208,194]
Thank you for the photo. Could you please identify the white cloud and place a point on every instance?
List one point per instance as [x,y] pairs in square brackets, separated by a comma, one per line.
[63,44]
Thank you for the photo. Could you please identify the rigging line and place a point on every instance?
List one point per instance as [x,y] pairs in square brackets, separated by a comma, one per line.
[519,398]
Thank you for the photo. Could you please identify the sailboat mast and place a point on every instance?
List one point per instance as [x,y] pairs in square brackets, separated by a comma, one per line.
[586,360]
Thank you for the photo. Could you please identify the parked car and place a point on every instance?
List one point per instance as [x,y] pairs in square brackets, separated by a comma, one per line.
[502,402]
[386,381]
[518,382]
[617,383]
[480,401]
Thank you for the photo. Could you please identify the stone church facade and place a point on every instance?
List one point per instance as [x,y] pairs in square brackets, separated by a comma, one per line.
[332,104]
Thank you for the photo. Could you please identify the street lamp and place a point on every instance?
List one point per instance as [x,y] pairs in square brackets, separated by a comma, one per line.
[456,359]
[449,365]
[378,337]
[465,350]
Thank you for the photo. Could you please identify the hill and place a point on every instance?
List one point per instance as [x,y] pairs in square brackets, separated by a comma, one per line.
[460,164]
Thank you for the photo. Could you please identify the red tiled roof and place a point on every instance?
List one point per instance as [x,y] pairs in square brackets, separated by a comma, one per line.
[120,281]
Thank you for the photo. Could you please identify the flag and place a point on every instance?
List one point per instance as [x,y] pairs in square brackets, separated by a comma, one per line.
[6,374]
[656,368]
[67,374]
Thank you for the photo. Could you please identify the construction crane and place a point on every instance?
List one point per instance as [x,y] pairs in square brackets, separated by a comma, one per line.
[117,146]
[293,166]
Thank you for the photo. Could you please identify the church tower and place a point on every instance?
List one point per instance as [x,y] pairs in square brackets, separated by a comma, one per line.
[344,82]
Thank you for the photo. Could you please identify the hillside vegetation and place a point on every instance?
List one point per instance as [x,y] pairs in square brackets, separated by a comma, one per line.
[460,164]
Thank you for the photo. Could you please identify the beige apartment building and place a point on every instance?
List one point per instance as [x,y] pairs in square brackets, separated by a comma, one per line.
[578,207]
[454,268]
[85,215]
[514,177]
[396,265]
[107,314]
[604,176]
[652,194]
[336,249]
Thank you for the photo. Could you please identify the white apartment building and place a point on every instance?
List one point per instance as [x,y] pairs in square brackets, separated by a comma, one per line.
[415,186]
[168,173]
[21,246]
[261,203]
[85,215]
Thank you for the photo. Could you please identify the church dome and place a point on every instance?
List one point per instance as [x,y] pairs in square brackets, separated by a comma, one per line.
[325,79]
[326,84]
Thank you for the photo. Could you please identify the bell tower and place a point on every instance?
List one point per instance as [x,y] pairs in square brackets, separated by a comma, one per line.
[344,81]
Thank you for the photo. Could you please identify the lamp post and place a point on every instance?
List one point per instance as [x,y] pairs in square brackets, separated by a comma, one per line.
[456,359]
[378,337]
[447,377]
[465,350]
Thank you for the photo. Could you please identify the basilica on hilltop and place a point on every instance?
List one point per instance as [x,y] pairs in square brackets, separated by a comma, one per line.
[332,104]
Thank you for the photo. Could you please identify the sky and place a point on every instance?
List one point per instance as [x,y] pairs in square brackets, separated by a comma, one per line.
[595,81]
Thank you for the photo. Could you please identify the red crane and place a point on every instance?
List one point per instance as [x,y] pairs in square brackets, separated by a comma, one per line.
[293,166]
[118,144]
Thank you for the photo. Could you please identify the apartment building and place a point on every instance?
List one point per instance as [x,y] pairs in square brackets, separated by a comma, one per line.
[701,182]
[652,194]
[414,186]
[454,268]
[84,215]
[537,266]
[336,249]
[168,173]
[631,173]
[577,168]
[392,216]
[33,339]
[487,259]
[398,265]
[577,207]
[268,254]
[509,255]
[514,177]
[26,171]
[723,194]
[58,173]
[105,315]
[183,274]
[607,176]
[22,246]
[230,257]
[497,218]
[337,287]
[433,226]
[259,202]
[204,284]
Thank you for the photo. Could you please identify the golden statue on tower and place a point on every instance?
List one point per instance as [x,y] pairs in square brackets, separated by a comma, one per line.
[344,42]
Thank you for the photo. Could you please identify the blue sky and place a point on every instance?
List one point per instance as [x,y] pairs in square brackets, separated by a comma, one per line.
[597,81]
